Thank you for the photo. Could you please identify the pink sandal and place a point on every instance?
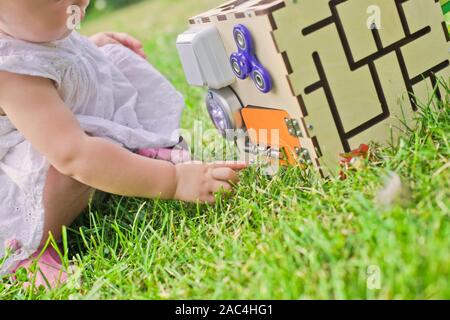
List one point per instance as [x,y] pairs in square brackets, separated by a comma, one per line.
[49,271]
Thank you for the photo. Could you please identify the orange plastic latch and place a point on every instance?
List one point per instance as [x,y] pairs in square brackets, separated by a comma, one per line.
[261,121]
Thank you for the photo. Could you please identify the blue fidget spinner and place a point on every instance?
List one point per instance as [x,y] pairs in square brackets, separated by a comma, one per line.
[245,63]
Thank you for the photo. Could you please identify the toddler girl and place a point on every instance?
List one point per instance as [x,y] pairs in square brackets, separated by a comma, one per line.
[79,114]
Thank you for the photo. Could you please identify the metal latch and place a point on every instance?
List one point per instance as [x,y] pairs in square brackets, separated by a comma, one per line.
[260,150]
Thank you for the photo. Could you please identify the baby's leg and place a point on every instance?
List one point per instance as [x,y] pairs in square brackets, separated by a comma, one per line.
[64,200]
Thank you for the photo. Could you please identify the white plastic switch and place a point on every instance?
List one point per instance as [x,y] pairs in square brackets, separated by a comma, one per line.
[204,59]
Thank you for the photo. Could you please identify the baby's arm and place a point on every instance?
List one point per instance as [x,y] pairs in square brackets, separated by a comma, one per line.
[36,109]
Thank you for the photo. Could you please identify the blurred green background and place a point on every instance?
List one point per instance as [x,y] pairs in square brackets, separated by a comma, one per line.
[98,7]
[143,18]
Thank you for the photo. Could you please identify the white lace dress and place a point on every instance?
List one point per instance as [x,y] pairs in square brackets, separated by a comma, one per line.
[114,94]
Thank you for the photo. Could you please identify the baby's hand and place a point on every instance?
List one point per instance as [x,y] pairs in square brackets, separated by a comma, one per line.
[199,182]
[103,38]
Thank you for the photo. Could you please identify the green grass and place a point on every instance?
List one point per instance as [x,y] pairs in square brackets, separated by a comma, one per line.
[288,237]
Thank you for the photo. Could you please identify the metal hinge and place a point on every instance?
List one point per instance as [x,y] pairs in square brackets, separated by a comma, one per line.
[303,155]
[294,127]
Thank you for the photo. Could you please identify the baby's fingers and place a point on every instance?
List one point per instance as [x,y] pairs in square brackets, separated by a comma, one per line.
[209,199]
[237,166]
[129,41]
[126,39]
[221,186]
[225,174]
[101,39]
